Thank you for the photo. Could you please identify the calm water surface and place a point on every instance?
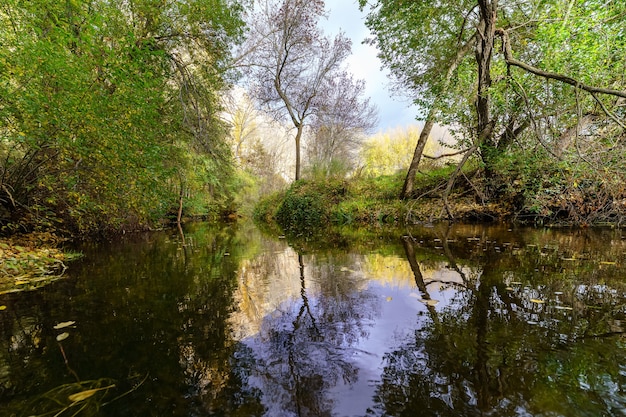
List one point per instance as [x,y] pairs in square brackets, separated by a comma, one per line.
[446,321]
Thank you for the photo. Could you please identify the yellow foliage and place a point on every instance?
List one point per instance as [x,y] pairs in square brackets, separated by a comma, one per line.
[389,152]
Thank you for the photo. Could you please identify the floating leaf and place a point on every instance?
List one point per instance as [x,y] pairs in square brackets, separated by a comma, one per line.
[64,324]
[83,395]
[536,301]
[389,298]
[563,308]
[3,308]
[62,336]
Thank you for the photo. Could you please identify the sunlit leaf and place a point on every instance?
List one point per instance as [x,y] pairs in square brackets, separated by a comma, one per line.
[64,324]
[83,395]
[62,336]
[536,301]
[607,263]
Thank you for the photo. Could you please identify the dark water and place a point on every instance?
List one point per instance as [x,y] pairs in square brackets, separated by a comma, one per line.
[459,321]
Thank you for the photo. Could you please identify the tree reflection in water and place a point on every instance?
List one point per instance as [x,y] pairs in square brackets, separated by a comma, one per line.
[303,350]
[512,341]
[457,321]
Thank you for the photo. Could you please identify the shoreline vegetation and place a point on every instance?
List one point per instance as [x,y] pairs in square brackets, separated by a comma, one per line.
[30,261]
[311,204]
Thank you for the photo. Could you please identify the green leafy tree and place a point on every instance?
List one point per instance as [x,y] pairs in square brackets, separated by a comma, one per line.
[542,74]
[106,107]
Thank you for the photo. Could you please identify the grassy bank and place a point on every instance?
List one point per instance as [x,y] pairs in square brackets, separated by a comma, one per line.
[542,197]
[308,205]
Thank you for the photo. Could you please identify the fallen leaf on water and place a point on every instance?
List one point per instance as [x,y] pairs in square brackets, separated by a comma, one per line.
[64,324]
[389,298]
[3,308]
[536,301]
[83,395]
[62,336]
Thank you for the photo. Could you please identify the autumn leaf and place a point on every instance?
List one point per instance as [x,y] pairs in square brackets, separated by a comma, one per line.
[64,324]
[83,395]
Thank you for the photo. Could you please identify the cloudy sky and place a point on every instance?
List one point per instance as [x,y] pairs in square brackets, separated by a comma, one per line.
[393,111]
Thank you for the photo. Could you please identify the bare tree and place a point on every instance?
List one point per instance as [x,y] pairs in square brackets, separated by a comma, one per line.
[290,61]
[341,121]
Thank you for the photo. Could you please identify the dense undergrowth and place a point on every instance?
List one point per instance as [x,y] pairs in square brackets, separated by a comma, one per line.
[524,191]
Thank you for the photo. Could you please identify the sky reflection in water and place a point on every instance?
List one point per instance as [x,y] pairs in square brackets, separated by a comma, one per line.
[433,321]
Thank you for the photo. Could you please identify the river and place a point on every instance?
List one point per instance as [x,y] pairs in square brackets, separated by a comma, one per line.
[458,320]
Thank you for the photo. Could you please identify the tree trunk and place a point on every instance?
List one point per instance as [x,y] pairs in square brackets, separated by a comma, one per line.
[409,181]
[298,137]
[484,50]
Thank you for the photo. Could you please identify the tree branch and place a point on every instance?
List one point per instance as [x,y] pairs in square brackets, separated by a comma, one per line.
[508,57]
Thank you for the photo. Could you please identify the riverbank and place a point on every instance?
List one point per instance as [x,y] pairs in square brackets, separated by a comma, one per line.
[309,205]
[32,260]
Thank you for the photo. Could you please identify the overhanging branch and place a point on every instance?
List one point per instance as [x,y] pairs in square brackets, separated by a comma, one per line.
[508,57]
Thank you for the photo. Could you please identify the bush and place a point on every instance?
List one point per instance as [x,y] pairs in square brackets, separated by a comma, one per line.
[308,205]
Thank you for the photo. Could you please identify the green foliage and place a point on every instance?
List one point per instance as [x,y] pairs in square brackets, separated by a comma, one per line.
[522,110]
[547,191]
[307,205]
[266,208]
[106,105]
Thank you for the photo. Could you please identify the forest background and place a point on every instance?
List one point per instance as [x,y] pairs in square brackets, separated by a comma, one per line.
[118,115]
